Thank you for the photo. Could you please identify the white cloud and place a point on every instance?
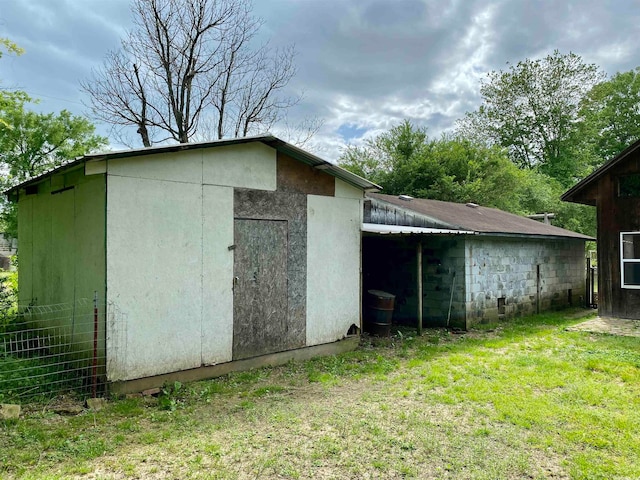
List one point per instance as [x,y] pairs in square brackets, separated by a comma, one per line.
[368,64]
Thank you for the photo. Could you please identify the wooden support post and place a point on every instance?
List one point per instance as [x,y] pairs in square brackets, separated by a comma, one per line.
[588,288]
[419,285]
[538,288]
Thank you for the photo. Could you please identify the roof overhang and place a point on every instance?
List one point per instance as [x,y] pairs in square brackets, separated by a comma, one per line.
[571,194]
[269,140]
[408,210]
[374,228]
[319,163]
[530,236]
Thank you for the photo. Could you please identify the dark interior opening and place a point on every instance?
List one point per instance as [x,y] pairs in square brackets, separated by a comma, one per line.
[502,306]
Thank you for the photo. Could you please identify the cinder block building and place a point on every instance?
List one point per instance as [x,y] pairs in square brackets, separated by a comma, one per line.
[471,263]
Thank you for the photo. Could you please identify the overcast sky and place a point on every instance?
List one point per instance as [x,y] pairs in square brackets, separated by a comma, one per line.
[363,65]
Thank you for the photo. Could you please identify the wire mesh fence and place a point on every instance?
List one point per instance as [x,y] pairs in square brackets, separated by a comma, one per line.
[51,349]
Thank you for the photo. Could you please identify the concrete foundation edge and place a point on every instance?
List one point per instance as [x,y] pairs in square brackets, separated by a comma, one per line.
[202,373]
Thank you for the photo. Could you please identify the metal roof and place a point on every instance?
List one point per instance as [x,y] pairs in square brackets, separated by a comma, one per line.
[568,196]
[475,218]
[270,140]
[405,230]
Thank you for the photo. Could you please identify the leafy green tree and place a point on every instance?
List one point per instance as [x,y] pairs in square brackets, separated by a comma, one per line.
[382,155]
[9,47]
[405,161]
[531,109]
[610,116]
[32,143]
[7,97]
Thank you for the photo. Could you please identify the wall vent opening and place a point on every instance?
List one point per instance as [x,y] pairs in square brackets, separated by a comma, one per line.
[569,297]
[502,306]
[353,330]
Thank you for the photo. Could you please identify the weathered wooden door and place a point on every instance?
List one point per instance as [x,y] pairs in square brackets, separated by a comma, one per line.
[260,287]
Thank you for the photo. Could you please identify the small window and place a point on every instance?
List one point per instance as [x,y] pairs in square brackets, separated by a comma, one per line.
[630,259]
[629,186]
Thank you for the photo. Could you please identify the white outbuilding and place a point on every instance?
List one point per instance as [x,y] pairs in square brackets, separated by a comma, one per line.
[208,257]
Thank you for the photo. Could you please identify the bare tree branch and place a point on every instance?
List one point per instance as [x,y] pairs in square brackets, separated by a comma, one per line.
[188,62]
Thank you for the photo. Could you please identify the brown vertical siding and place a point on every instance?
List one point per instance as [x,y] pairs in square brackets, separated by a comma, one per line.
[616,215]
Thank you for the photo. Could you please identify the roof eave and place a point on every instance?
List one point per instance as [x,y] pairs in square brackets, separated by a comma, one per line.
[569,195]
[428,218]
[320,164]
[67,166]
[584,238]
[405,230]
[269,140]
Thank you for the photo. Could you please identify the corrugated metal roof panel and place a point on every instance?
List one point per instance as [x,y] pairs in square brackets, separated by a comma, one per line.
[405,230]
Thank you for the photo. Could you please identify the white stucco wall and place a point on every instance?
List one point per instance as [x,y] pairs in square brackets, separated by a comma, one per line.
[169,267]
[333,267]
[173,167]
[251,165]
[170,223]
[170,284]
[154,276]
[217,275]
[345,190]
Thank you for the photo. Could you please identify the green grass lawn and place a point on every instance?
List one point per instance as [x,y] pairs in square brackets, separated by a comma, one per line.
[523,400]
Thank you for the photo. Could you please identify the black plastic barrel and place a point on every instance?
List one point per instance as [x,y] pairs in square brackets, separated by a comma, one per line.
[378,312]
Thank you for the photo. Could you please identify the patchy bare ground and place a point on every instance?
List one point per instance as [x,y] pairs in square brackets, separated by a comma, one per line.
[387,426]
[610,326]
[356,429]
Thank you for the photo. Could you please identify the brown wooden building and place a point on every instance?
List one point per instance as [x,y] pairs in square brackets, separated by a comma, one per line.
[614,189]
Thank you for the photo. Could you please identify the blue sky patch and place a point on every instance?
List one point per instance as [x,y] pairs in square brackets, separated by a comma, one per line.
[349,131]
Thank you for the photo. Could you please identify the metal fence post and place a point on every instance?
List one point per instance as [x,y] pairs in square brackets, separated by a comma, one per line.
[94,391]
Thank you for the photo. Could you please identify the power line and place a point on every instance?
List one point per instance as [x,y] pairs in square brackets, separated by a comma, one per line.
[55,98]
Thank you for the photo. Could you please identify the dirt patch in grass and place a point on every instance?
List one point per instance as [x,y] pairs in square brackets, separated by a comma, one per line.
[356,429]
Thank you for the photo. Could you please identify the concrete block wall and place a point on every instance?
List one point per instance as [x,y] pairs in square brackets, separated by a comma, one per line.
[443,272]
[390,264]
[502,276]
[486,269]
